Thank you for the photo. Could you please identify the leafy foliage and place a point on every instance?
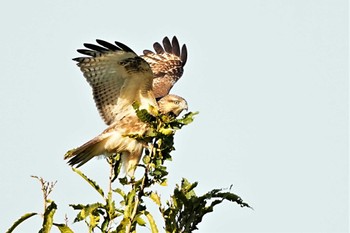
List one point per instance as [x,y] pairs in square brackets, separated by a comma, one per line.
[123,208]
[185,209]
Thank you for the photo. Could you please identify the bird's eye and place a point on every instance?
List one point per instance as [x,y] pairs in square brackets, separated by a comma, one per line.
[176,102]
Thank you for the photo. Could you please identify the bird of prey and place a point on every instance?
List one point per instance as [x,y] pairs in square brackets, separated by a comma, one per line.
[120,78]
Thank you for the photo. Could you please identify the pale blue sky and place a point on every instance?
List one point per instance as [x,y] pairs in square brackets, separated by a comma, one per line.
[269,78]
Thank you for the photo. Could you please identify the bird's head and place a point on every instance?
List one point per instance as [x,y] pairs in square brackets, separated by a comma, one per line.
[172,104]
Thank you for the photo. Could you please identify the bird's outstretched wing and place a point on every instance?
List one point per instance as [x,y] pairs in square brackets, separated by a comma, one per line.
[118,78]
[167,64]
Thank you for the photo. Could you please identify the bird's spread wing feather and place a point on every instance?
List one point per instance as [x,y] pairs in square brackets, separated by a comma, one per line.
[167,64]
[118,78]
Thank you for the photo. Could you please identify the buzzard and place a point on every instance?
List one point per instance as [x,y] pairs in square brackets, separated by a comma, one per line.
[119,78]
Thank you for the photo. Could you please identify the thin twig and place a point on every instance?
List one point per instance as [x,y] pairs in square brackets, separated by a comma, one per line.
[46,188]
[110,176]
[138,197]
[140,194]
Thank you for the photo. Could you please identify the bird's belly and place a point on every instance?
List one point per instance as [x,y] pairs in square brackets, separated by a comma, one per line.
[118,143]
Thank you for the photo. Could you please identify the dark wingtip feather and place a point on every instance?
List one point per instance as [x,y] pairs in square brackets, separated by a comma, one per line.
[87,52]
[158,48]
[77,162]
[167,45]
[175,46]
[146,52]
[77,158]
[124,47]
[183,54]
[95,47]
[107,45]
[94,50]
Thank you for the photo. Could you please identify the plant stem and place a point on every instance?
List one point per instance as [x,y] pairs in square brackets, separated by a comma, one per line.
[138,197]
[110,176]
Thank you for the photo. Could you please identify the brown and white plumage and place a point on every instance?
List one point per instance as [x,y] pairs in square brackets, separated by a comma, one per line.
[167,64]
[119,78]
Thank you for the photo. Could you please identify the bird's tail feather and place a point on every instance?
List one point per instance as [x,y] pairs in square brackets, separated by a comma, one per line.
[84,153]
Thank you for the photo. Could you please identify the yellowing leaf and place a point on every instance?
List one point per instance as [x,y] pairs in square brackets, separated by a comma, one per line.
[19,221]
[48,218]
[156,198]
[166,131]
[152,223]
[164,183]
[140,221]
[91,182]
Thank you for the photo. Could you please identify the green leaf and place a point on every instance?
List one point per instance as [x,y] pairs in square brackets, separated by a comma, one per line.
[94,220]
[229,197]
[63,228]
[120,192]
[140,220]
[124,180]
[116,162]
[77,206]
[164,182]
[86,211]
[187,187]
[152,223]
[136,105]
[110,207]
[122,226]
[188,118]
[155,197]
[144,116]
[48,218]
[186,210]
[166,131]
[20,220]
[130,201]
[104,225]
[91,182]
[146,159]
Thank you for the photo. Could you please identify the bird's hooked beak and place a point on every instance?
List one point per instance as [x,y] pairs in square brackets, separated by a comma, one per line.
[183,106]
